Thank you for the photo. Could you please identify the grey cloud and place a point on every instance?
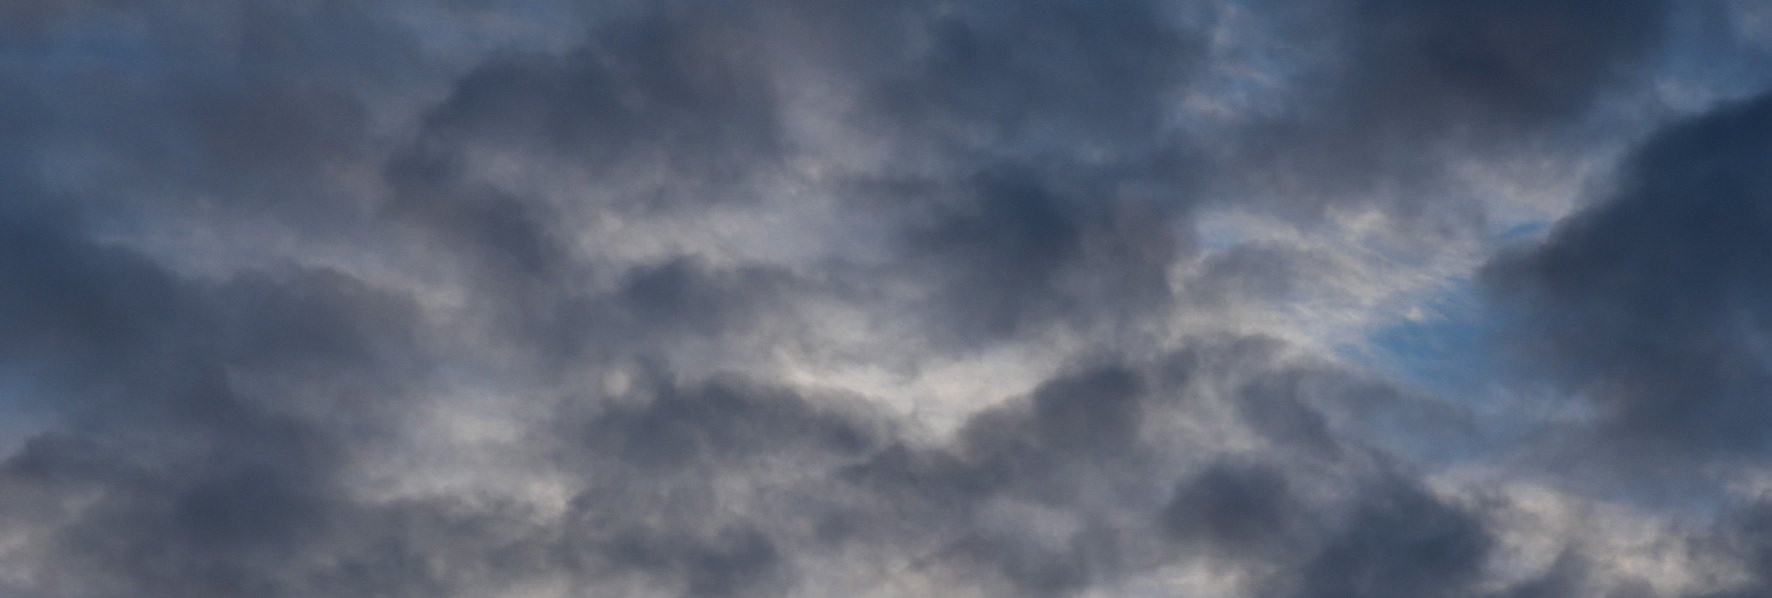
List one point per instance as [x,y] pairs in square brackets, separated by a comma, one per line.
[1392,538]
[1077,454]
[1009,252]
[685,93]
[257,507]
[207,451]
[1747,531]
[1375,106]
[1242,510]
[272,426]
[1025,76]
[1646,307]
[1505,62]
[1400,541]
[1009,242]
[1649,303]
[681,427]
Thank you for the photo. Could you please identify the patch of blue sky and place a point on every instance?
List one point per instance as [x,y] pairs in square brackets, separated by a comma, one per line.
[1436,344]
[1439,345]
[1445,344]
[1444,353]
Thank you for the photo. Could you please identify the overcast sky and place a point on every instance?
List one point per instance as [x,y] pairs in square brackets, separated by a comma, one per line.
[996,298]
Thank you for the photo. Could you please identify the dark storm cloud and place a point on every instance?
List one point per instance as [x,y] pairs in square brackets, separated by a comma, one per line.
[404,206]
[1748,532]
[1078,438]
[1400,541]
[1054,114]
[250,499]
[679,92]
[914,505]
[1394,91]
[1012,250]
[1652,304]
[669,483]
[1037,115]
[1079,455]
[658,112]
[196,416]
[1649,306]
[1564,578]
[1393,538]
[1244,510]
[1491,63]
[1033,77]
[203,424]
[724,420]
[234,113]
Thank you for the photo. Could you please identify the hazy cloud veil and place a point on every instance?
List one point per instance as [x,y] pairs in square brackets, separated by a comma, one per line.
[1241,298]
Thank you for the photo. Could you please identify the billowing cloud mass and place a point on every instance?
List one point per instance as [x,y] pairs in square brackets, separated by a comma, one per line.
[1239,298]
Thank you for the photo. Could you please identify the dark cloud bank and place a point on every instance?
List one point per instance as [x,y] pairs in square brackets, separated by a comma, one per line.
[328,298]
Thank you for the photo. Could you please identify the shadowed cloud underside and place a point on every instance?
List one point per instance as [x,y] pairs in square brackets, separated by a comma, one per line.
[1241,298]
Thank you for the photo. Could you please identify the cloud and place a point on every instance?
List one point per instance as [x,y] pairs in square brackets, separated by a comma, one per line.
[1376,101]
[1647,303]
[995,298]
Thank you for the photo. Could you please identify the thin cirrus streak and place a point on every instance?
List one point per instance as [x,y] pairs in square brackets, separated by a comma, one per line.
[1244,298]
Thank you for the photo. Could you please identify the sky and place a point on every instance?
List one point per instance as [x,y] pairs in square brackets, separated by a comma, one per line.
[992,298]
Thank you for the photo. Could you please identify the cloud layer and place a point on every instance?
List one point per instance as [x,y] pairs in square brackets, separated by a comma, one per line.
[795,298]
